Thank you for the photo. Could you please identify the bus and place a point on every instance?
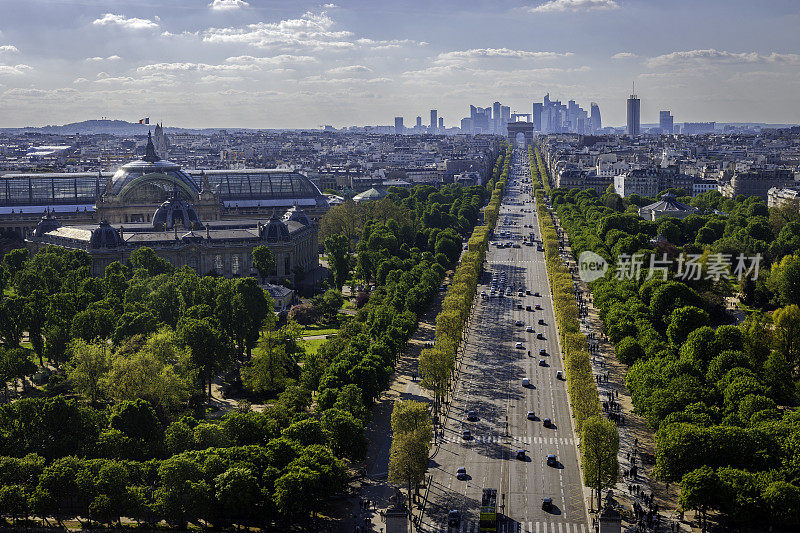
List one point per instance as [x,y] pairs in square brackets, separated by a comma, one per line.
[488,520]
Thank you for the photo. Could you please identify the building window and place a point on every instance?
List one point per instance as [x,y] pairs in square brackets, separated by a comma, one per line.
[193,263]
[218,263]
[235,264]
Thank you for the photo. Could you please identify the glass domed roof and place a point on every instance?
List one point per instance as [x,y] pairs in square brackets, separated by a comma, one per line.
[165,174]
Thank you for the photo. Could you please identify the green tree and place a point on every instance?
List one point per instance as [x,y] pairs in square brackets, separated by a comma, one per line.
[787,332]
[208,352]
[700,490]
[338,249]
[345,434]
[264,261]
[238,491]
[87,368]
[683,321]
[147,259]
[600,445]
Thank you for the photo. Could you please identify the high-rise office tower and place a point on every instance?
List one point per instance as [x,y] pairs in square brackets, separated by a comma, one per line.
[434,121]
[634,115]
[466,125]
[441,123]
[594,119]
[505,116]
[537,115]
[496,116]
[419,123]
[666,121]
[398,125]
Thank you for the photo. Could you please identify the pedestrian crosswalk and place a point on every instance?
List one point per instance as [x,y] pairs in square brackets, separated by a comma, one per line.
[489,439]
[514,527]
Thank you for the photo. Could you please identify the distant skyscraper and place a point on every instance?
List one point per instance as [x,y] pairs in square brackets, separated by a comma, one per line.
[537,115]
[496,116]
[634,115]
[596,122]
[419,122]
[666,121]
[398,125]
[466,125]
[505,116]
[441,123]
[434,121]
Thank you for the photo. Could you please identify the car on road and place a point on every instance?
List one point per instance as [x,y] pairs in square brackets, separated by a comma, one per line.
[520,294]
[537,294]
[516,245]
[529,329]
[547,504]
[466,435]
[528,292]
[531,415]
[541,321]
[547,422]
[453,518]
[542,362]
[540,336]
[538,307]
[519,306]
[521,455]
[542,351]
[461,473]
[471,415]
[529,308]
[519,346]
[483,294]
[551,460]
[526,382]
[559,375]
[519,323]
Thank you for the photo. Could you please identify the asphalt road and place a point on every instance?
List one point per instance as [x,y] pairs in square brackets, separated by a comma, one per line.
[490,384]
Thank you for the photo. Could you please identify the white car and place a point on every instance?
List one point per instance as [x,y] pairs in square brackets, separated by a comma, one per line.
[519,323]
[529,329]
[519,346]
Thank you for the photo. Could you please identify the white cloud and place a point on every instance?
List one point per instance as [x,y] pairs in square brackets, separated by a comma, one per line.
[213,78]
[78,81]
[8,49]
[482,53]
[720,56]
[14,69]
[557,6]
[96,59]
[625,55]
[132,23]
[271,60]
[197,67]
[350,69]
[227,5]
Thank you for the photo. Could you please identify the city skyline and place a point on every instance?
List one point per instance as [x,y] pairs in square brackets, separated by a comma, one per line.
[268,65]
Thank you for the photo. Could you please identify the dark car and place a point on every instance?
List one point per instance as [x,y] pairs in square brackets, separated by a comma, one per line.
[536,294]
[542,362]
[542,351]
[471,415]
[547,504]
[551,460]
[547,423]
[461,473]
[466,435]
[453,518]
[541,320]
[528,308]
[539,336]
[521,455]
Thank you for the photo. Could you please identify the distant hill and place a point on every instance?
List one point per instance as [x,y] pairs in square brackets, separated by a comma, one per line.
[112,127]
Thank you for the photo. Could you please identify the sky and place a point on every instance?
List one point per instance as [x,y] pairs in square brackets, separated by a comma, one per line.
[297,64]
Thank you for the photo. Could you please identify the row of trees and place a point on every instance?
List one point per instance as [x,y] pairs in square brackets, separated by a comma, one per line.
[713,392]
[581,385]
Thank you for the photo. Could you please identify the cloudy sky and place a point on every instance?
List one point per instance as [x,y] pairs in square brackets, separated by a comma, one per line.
[275,64]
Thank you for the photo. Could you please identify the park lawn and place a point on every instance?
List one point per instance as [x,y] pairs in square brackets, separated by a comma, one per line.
[313,345]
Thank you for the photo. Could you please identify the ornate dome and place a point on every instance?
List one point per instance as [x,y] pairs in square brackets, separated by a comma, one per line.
[274,230]
[176,211]
[298,215]
[46,224]
[153,174]
[105,236]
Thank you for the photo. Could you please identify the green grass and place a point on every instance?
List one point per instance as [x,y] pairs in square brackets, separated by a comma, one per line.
[313,345]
